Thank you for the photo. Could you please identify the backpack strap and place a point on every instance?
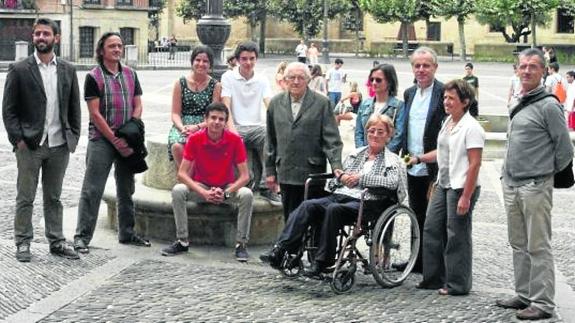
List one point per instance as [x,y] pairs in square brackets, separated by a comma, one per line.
[523,103]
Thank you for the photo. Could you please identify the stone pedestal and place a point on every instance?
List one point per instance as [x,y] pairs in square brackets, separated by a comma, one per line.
[21,48]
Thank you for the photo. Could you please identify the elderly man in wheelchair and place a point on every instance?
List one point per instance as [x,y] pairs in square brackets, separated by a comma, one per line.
[373,179]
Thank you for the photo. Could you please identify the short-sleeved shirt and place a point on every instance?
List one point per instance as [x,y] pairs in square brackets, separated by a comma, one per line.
[247,97]
[335,79]
[466,134]
[472,80]
[116,93]
[214,161]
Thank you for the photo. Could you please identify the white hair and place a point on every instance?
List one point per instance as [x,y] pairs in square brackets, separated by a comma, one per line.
[297,66]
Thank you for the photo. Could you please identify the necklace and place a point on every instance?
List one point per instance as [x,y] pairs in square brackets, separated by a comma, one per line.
[198,86]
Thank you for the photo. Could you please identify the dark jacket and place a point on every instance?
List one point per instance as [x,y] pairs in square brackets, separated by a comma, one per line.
[134,133]
[435,116]
[24,103]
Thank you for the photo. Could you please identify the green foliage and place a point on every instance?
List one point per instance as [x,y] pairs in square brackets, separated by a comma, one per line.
[451,8]
[515,13]
[385,11]
[191,9]
[253,10]
[306,16]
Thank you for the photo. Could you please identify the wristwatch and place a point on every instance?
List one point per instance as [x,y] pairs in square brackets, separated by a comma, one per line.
[226,195]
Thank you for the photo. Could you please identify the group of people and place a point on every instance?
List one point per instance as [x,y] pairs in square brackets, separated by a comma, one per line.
[305,54]
[216,124]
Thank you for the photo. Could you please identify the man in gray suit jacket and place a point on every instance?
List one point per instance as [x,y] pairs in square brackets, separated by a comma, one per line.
[301,135]
[41,113]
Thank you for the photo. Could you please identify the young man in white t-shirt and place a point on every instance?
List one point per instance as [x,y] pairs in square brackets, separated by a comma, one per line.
[553,78]
[335,80]
[570,100]
[247,94]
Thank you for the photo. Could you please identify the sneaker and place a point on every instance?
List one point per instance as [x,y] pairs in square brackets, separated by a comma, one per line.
[274,198]
[23,253]
[63,250]
[241,252]
[80,246]
[136,240]
[175,249]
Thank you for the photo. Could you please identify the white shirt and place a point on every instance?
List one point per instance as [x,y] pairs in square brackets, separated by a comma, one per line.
[52,125]
[335,79]
[247,97]
[551,80]
[416,127]
[466,134]
[301,50]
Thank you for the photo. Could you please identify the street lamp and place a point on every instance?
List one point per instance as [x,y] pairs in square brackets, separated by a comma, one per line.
[213,31]
[325,44]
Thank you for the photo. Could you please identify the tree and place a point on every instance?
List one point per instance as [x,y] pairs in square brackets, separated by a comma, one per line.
[521,15]
[156,8]
[305,15]
[460,9]
[404,11]
[255,12]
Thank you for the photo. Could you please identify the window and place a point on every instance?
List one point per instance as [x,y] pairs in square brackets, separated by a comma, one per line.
[434,30]
[92,2]
[86,41]
[127,35]
[564,22]
[124,2]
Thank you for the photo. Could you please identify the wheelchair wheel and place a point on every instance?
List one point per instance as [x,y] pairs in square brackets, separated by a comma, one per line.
[291,265]
[395,246]
[343,277]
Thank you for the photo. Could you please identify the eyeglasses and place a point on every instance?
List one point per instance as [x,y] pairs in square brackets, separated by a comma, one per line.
[295,77]
[376,132]
[376,79]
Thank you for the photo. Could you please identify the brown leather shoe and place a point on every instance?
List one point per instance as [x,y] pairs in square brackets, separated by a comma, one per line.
[533,313]
[514,303]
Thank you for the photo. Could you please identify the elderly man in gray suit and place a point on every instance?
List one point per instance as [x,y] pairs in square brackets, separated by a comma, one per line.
[301,135]
[41,113]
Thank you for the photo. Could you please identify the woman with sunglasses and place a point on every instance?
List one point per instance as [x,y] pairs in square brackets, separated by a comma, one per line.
[383,80]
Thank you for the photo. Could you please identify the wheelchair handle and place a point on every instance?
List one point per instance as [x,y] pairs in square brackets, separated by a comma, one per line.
[320,176]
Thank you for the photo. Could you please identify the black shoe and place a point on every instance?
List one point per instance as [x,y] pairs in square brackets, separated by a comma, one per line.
[175,249]
[532,313]
[274,198]
[137,241]
[80,246]
[65,251]
[514,302]
[241,252]
[23,253]
[273,257]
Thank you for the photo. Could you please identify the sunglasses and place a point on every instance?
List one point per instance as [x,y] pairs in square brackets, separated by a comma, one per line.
[376,79]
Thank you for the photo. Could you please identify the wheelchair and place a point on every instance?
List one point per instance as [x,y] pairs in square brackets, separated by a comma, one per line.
[388,250]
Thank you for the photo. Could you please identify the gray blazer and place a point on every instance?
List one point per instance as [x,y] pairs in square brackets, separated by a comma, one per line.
[296,148]
[24,103]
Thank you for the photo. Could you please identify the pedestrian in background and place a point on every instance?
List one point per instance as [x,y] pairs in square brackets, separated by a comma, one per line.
[514,86]
[447,249]
[41,114]
[301,52]
[318,82]
[279,77]
[370,90]
[301,136]
[474,82]
[538,146]
[336,78]
[113,95]
[312,54]
[190,97]
[173,44]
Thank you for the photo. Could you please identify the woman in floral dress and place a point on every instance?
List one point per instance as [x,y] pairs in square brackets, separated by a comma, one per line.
[191,96]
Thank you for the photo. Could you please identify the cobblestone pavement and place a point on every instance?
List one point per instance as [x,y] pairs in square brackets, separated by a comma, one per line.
[117,283]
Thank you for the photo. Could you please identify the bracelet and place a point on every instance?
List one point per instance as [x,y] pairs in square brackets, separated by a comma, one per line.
[340,176]
[417,160]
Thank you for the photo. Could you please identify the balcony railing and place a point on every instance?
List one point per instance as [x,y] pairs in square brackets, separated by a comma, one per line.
[92,2]
[17,4]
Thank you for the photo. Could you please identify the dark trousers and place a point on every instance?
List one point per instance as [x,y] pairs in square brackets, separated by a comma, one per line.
[53,162]
[417,187]
[447,253]
[293,196]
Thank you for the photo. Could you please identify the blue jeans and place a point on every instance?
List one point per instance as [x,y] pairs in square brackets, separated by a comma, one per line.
[100,156]
[334,98]
[53,162]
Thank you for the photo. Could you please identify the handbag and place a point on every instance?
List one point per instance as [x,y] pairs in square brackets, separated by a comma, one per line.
[564,178]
